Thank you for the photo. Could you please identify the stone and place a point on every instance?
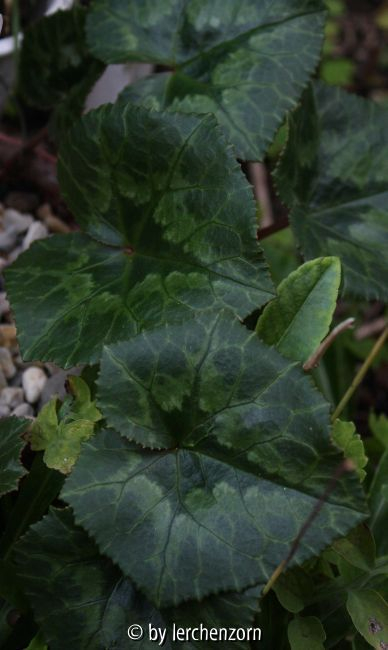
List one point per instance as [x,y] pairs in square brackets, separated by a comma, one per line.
[23,410]
[14,254]
[8,336]
[33,381]
[36,231]
[16,221]
[5,411]
[4,304]
[6,363]
[53,223]
[8,240]
[12,396]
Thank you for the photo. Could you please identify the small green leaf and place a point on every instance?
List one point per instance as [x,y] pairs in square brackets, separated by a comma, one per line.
[369,613]
[56,70]
[357,548]
[306,632]
[247,63]
[334,177]
[293,589]
[179,220]
[61,434]
[345,436]
[11,445]
[299,318]
[379,426]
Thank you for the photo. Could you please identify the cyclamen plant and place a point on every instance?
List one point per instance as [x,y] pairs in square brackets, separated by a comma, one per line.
[198,474]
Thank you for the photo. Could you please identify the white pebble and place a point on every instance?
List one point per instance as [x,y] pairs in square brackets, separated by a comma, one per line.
[23,410]
[14,220]
[12,396]
[4,304]
[37,230]
[6,363]
[33,382]
[4,411]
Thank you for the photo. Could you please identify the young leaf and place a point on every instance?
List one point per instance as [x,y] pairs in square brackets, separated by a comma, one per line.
[81,600]
[345,436]
[334,175]
[181,215]
[61,437]
[56,70]
[248,457]
[246,62]
[293,589]
[11,445]
[306,632]
[369,613]
[299,318]
[357,548]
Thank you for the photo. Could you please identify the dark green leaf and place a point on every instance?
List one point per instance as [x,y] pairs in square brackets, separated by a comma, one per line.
[306,632]
[11,445]
[378,500]
[81,600]
[56,69]
[247,62]
[334,177]
[248,456]
[37,491]
[164,185]
[299,318]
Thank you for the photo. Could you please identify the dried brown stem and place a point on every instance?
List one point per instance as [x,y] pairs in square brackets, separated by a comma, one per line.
[316,357]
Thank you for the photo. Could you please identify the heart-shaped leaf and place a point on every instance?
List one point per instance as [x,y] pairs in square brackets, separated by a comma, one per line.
[56,69]
[181,215]
[247,62]
[247,457]
[81,599]
[334,177]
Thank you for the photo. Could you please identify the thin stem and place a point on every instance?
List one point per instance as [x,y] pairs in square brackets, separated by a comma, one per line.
[346,466]
[361,374]
[279,224]
[316,357]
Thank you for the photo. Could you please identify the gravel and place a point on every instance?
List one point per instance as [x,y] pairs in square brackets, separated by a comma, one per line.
[24,387]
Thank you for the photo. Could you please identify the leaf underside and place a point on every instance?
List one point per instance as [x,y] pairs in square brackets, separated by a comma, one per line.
[177,219]
[247,62]
[333,175]
[245,456]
